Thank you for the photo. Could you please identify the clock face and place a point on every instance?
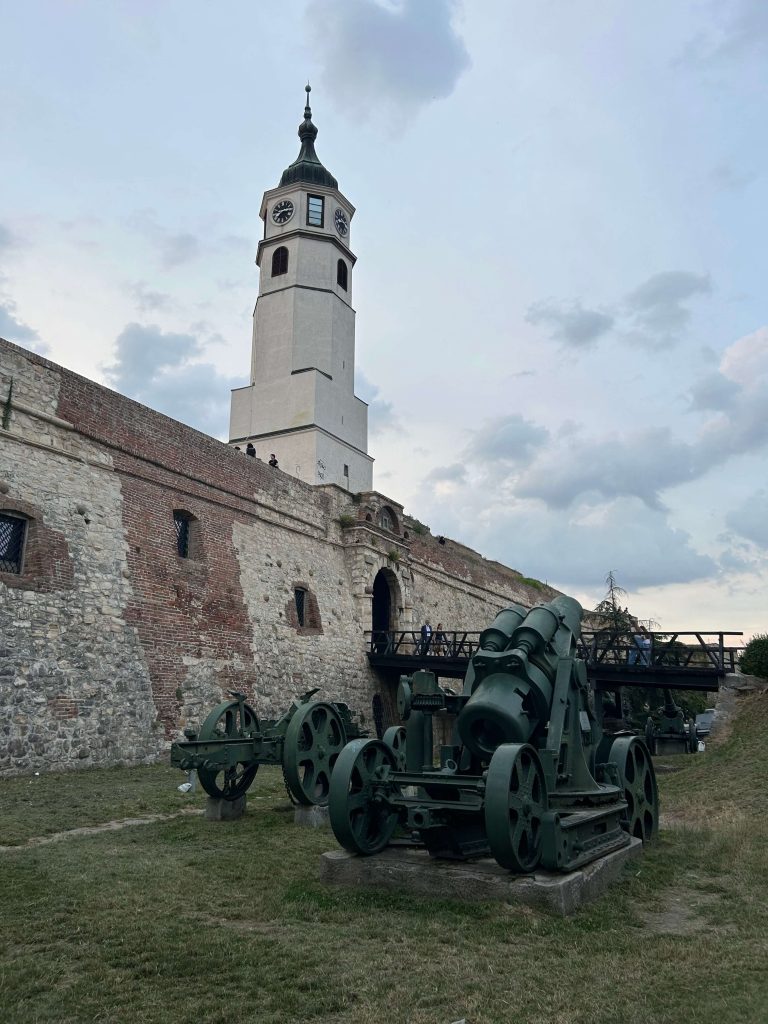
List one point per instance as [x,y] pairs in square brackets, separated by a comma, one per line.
[340,220]
[282,211]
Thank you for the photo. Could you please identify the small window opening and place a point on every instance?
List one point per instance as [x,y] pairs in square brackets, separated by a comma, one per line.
[181,521]
[299,596]
[346,469]
[12,532]
[387,520]
[279,261]
[315,211]
[342,274]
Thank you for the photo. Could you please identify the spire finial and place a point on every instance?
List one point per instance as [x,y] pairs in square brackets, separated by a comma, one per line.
[307,108]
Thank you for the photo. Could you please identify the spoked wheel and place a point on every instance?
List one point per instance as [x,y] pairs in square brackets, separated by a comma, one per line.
[394,737]
[638,780]
[313,740]
[515,804]
[224,723]
[361,823]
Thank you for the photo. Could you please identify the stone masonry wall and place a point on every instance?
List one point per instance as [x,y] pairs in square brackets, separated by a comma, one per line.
[110,642]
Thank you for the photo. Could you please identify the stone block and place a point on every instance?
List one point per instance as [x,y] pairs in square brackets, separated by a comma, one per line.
[224,810]
[414,872]
[314,816]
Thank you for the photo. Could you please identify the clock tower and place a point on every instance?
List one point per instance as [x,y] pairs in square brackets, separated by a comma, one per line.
[300,403]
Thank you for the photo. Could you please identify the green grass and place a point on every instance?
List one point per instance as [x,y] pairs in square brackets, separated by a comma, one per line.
[188,920]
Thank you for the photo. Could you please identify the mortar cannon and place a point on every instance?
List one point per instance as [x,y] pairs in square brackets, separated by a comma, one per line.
[673,734]
[232,743]
[525,779]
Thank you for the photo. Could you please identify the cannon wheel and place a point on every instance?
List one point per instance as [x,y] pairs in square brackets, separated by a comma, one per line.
[313,740]
[224,723]
[638,780]
[394,737]
[361,824]
[515,804]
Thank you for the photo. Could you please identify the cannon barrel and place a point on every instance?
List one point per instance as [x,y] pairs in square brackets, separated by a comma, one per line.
[512,684]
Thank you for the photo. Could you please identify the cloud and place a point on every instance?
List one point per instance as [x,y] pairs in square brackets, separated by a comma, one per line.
[161,370]
[7,240]
[398,56]
[714,392]
[729,179]
[570,322]
[750,519]
[657,304]
[148,300]
[509,439]
[178,249]
[15,330]
[650,315]
[381,414]
[453,474]
[638,465]
[174,247]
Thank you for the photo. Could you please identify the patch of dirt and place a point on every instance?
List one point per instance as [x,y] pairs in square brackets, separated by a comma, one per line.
[680,915]
[93,830]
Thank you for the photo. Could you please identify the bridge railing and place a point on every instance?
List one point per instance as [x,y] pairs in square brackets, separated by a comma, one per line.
[456,643]
[707,650]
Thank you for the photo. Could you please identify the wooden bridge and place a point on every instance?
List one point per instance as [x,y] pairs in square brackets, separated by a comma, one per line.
[672,660]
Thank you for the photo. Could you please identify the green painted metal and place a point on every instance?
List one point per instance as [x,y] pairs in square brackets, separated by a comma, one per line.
[232,743]
[313,740]
[306,168]
[673,734]
[361,822]
[394,737]
[528,777]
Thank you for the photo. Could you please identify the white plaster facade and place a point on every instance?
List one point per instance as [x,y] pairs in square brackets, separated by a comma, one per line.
[301,403]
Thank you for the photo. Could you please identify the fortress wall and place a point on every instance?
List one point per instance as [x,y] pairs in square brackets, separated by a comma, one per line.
[110,643]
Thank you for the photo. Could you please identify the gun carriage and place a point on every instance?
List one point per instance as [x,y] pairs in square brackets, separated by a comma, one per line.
[232,743]
[673,734]
[529,778]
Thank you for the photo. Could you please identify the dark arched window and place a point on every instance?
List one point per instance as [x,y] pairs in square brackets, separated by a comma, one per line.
[341,274]
[279,261]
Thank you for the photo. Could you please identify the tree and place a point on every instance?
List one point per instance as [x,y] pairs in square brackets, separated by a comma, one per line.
[616,618]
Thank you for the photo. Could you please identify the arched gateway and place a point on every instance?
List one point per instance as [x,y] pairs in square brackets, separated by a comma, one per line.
[384,607]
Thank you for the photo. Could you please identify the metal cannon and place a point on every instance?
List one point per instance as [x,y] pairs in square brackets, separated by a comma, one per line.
[673,734]
[529,778]
[232,743]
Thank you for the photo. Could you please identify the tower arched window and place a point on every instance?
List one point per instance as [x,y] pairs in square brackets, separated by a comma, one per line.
[342,274]
[279,261]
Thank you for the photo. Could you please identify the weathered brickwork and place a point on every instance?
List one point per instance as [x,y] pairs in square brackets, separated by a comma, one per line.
[111,641]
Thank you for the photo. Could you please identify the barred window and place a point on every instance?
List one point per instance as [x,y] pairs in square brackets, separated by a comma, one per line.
[387,519]
[181,521]
[299,596]
[12,532]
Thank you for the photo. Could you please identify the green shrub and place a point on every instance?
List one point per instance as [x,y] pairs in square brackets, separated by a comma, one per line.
[345,520]
[419,528]
[530,582]
[754,660]
[393,555]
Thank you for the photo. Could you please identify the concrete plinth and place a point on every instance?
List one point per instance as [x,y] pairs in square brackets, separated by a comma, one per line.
[224,810]
[482,881]
[314,816]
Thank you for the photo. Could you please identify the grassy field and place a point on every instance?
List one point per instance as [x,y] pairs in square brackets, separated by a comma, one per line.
[183,919]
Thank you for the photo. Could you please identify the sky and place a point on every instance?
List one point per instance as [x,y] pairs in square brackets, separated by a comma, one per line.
[561,217]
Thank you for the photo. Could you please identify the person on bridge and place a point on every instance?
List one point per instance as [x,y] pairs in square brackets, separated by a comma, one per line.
[640,653]
[439,643]
[426,637]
